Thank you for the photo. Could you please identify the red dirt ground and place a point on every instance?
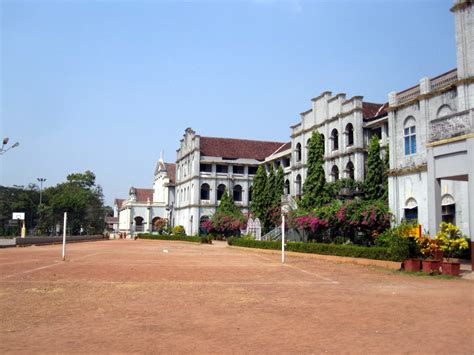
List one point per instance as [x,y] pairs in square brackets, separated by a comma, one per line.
[132,296]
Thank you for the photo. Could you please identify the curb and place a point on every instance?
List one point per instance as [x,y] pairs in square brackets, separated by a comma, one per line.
[393,265]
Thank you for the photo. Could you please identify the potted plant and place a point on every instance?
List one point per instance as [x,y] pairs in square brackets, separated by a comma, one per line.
[428,249]
[450,240]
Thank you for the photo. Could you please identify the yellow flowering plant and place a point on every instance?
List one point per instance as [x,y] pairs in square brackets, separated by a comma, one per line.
[450,239]
[427,246]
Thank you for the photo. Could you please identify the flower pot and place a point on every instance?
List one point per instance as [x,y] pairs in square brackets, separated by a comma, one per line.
[438,255]
[412,265]
[452,269]
[430,266]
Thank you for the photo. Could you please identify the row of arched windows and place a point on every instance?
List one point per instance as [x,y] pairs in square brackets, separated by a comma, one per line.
[237,192]
[349,132]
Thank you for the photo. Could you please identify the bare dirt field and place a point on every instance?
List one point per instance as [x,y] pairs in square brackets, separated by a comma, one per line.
[158,296]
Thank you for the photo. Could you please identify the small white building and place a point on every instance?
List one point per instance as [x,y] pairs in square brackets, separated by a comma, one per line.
[139,212]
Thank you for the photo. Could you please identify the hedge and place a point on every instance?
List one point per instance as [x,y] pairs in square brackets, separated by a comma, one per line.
[354,251]
[183,238]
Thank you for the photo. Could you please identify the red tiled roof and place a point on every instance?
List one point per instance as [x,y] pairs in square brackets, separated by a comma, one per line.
[370,109]
[237,148]
[282,148]
[119,202]
[171,168]
[144,194]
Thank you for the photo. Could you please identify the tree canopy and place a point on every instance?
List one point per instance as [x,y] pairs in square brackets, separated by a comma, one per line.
[315,192]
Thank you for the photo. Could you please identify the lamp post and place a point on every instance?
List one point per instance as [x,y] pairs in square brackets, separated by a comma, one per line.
[41,180]
[3,150]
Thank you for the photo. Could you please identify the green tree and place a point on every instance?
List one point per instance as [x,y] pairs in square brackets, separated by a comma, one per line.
[258,204]
[280,184]
[374,188]
[386,168]
[81,198]
[315,193]
[18,199]
[270,189]
[227,206]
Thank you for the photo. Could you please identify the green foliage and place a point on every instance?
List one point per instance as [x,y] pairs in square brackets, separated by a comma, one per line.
[450,239]
[183,238]
[398,240]
[179,230]
[280,184]
[81,198]
[314,189]
[386,168]
[374,189]
[227,206]
[354,251]
[18,199]
[206,239]
[259,203]
[334,187]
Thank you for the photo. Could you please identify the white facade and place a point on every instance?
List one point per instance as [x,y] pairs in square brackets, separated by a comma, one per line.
[144,206]
[203,172]
[432,133]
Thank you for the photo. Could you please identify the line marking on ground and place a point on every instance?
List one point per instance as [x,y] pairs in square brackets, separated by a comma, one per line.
[46,266]
[299,269]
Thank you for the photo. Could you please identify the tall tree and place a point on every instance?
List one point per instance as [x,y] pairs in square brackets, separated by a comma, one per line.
[315,193]
[386,168]
[374,188]
[280,184]
[270,188]
[258,192]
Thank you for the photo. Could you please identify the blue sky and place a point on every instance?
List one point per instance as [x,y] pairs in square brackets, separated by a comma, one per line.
[107,85]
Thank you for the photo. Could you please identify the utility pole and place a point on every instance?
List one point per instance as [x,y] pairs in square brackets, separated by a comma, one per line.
[41,180]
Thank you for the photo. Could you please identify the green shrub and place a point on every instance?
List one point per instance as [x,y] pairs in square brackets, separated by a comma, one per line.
[354,251]
[179,230]
[206,239]
[183,238]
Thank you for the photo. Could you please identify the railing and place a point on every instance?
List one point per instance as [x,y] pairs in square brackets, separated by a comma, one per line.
[408,95]
[444,80]
[436,83]
[451,126]
[274,234]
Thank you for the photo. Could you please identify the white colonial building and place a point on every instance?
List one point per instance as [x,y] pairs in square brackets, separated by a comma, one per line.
[429,129]
[346,126]
[432,155]
[208,166]
[143,207]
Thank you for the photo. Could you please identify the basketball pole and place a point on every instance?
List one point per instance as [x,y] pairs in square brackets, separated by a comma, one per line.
[282,238]
[64,236]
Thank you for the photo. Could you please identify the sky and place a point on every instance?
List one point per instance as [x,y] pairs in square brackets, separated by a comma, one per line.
[107,85]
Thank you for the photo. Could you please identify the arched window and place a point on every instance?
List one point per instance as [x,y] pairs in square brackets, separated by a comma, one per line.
[444,110]
[237,193]
[448,209]
[220,191]
[138,224]
[350,170]
[350,134]
[335,173]
[411,210]
[298,185]
[324,143]
[287,187]
[298,152]
[335,139]
[205,192]
[250,193]
[409,134]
